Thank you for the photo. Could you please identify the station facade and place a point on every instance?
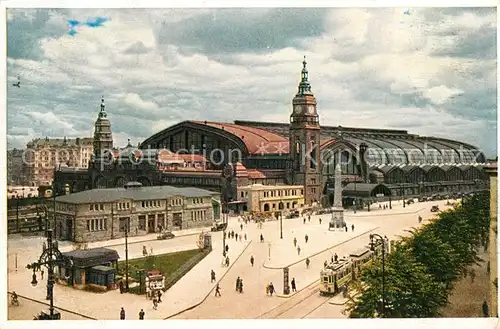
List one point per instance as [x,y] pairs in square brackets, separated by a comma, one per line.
[231,156]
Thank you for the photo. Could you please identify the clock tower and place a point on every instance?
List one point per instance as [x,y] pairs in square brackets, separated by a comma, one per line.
[304,139]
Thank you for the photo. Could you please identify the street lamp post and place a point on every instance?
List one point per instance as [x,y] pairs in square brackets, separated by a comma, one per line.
[355,196]
[269,250]
[373,238]
[126,254]
[403,193]
[223,242]
[18,225]
[51,257]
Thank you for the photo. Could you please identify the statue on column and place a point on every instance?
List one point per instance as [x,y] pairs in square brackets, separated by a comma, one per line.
[337,219]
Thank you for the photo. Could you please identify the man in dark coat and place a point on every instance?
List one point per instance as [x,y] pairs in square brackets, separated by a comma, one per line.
[251,260]
[294,287]
[485,309]
[141,314]
[122,314]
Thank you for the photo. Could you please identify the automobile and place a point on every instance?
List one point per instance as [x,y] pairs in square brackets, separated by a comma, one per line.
[422,199]
[293,214]
[218,226]
[165,235]
[410,201]
[434,209]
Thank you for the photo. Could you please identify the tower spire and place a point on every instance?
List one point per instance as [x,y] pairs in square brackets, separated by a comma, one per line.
[304,85]
[102,114]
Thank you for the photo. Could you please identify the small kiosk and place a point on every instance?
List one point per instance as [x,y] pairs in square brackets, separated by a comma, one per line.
[90,267]
[155,281]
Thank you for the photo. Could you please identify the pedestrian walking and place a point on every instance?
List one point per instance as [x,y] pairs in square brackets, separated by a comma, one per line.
[294,287]
[294,242]
[227,261]
[141,314]
[346,228]
[241,286]
[320,221]
[227,248]
[352,227]
[159,296]
[122,314]
[236,236]
[486,312]
[155,303]
[217,291]
[335,257]
[121,287]
[224,235]
[298,250]
[212,276]
[267,290]
[271,289]
[307,262]
[41,273]
[304,220]
[306,238]
[241,227]
[251,260]
[331,259]
[245,237]
[237,283]
[261,238]
[309,218]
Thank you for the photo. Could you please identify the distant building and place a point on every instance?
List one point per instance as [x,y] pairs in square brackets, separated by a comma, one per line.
[43,156]
[103,214]
[267,198]
[15,169]
[492,171]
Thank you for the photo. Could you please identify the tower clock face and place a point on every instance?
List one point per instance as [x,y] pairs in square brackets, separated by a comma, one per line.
[296,109]
[310,109]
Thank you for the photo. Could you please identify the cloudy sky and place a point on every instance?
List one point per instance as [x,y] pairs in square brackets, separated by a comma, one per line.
[429,71]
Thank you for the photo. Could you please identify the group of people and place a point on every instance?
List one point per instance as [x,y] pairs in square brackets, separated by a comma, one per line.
[236,236]
[141,314]
[239,285]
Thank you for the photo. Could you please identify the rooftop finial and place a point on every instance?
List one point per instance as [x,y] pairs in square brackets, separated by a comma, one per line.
[102,114]
[304,86]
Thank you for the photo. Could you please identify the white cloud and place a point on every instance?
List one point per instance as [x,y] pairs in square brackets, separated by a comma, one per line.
[368,68]
[440,94]
[135,100]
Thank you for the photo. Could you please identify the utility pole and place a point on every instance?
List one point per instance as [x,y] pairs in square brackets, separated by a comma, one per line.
[126,253]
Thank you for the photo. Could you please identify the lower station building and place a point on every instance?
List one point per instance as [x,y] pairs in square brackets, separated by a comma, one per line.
[229,157]
[105,213]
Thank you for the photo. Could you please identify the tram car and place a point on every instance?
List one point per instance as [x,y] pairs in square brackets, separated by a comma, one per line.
[334,276]
[339,274]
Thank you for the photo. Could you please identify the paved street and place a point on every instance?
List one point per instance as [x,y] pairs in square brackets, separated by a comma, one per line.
[232,305]
[193,288]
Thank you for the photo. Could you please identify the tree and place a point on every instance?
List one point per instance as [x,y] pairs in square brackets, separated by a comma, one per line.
[422,268]
[410,291]
[440,259]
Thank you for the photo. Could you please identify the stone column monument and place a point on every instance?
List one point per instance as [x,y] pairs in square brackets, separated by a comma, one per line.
[337,220]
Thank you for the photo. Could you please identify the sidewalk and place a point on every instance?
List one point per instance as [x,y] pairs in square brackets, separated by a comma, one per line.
[306,277]
[190,290]
[318,243]
[142,238]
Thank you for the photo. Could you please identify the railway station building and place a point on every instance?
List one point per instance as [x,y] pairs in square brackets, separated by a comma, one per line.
[230,156]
